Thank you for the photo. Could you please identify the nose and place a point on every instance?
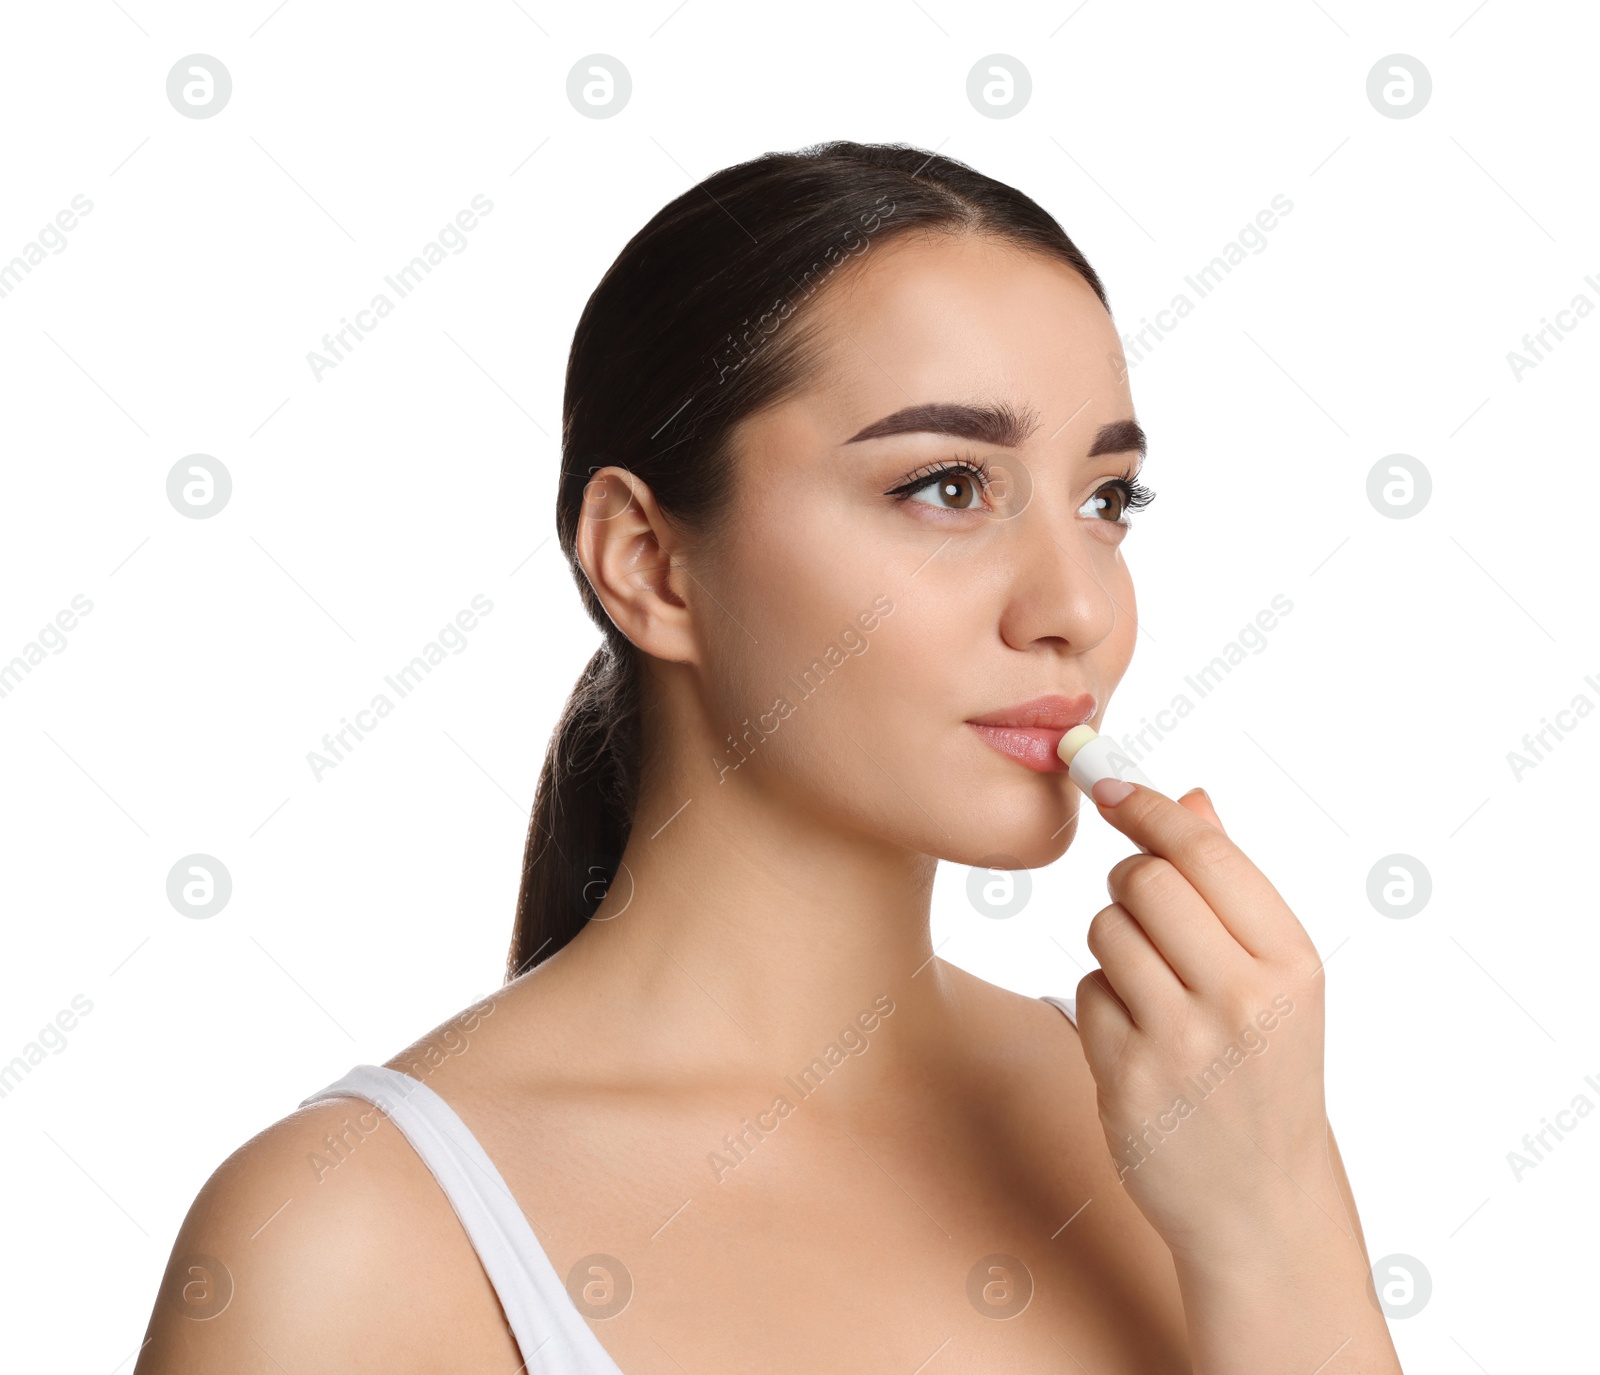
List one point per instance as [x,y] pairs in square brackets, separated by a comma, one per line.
[1058,597]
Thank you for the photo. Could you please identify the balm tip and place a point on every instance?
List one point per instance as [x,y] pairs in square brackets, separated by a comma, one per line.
[1073,741]
[1090,756]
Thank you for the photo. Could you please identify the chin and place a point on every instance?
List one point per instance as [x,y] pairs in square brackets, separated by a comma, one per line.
[1008,831]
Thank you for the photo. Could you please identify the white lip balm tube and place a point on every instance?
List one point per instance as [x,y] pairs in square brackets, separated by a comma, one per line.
[1089,757]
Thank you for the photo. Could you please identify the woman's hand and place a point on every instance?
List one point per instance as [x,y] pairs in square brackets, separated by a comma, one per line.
[1203,1030]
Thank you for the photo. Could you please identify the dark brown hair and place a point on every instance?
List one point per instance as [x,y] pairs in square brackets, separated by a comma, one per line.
[699,323]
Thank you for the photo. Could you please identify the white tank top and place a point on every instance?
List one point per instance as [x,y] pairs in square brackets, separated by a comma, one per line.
[552,1333]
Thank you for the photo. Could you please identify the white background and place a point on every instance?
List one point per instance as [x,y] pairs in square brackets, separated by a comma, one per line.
[369,507]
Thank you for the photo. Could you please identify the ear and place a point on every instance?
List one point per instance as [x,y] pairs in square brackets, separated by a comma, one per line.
[628,551]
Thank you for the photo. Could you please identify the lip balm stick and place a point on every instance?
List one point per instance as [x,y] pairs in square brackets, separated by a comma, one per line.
[1089,757]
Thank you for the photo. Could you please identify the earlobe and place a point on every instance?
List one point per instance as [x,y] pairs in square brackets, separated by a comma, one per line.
[626,550]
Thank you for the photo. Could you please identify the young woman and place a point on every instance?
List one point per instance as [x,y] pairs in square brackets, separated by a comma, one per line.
[849,456]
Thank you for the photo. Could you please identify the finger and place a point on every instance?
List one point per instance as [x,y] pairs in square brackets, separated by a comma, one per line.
[1146,983]
[1191,938]
[1235,890]
[1104,1022]
[1198,801]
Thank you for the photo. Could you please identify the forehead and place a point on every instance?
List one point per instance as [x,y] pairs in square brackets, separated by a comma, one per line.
[942,317]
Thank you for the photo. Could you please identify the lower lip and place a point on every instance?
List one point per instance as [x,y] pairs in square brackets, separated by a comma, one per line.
[1034,747]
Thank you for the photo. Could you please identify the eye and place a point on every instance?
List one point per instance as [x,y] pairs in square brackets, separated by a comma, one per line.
[951,486]
[1118,497]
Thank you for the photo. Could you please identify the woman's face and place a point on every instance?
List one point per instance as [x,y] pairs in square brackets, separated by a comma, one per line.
[873,597]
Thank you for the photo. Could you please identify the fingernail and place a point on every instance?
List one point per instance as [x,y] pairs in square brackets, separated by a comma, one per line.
[1110,791]
[1203,793]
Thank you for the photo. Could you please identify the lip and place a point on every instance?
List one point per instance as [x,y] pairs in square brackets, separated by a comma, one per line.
[1029,732]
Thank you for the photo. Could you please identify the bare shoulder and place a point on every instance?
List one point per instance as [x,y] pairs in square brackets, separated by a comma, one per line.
[1027,1029]
[1029,1051]
[1046,1101]
[323,1243]
[440,1054]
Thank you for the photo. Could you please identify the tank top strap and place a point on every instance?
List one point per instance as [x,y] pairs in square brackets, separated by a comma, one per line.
[553,1336]
[1067,1005]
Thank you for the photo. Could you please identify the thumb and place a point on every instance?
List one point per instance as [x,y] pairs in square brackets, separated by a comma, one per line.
[1198,801]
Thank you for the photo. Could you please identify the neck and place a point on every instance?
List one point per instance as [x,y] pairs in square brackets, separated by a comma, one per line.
[743,933]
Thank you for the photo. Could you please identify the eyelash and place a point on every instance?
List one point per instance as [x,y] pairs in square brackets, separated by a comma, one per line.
[921,477]
[1136,496]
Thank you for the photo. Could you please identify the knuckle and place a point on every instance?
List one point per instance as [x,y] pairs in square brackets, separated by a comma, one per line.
[1107,930]
[1190,1039]
[1242,1004]
[1091,987]
[1308,947]
[1206,848]
[1117,873]
[1149,881]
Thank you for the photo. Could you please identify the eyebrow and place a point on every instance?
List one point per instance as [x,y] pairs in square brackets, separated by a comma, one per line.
[1120,437]
[1002,425]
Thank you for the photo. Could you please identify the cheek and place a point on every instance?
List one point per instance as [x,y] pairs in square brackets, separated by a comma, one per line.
[842,662]
[836,627]
[804,608]
[1116,651]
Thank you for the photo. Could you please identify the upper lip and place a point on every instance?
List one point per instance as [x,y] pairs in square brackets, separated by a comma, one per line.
[1051,712]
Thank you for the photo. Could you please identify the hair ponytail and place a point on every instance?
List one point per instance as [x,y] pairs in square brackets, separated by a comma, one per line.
[697,324]
[582,808]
